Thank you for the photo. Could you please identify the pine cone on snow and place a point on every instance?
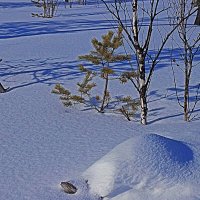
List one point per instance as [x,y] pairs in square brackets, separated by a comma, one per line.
[68,187]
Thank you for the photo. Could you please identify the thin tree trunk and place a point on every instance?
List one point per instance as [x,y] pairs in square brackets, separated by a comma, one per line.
[186,96]
[105,94]
[144,109]
[143,89]
[188,71]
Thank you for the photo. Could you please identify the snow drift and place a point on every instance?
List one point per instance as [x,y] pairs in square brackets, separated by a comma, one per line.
[147,167]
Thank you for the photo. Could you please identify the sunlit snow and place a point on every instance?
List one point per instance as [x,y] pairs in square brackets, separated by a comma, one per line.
[43,143]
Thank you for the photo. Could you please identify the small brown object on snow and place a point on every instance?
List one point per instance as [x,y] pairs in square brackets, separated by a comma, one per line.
[2,89]
[68,187]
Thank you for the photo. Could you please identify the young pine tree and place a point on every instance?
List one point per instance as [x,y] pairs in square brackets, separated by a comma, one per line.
[103,54]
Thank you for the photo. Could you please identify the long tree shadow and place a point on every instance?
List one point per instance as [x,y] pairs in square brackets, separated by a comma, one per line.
[22,29]
[11,5]
[68,23]
[174,116]
[20,73]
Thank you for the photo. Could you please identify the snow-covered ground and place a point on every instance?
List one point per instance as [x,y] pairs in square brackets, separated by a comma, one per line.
[42,143]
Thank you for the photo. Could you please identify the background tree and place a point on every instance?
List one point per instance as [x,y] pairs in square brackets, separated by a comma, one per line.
[190,48]
[48,6]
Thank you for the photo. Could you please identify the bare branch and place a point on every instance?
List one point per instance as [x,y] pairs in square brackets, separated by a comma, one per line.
[162,46]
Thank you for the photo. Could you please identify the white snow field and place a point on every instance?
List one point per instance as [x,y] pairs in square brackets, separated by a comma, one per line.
[42,143]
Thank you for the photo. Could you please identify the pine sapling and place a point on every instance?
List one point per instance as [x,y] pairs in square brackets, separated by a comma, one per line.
[104,54]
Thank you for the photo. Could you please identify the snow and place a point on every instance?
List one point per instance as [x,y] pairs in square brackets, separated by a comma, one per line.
[42,143]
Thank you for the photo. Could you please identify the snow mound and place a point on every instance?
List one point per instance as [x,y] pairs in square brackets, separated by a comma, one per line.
[146,167]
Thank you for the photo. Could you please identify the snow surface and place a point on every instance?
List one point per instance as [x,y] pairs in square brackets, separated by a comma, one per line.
[42,143]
